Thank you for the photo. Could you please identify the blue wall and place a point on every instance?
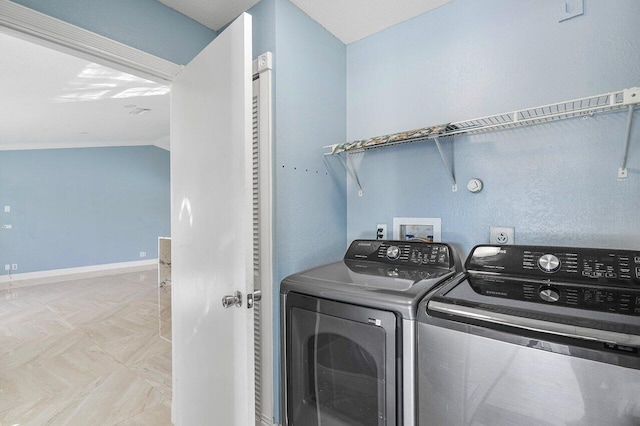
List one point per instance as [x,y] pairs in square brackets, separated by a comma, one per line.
[83,206]
[310,112]
[147,25]
[310,104]
[264,27]
[556,183]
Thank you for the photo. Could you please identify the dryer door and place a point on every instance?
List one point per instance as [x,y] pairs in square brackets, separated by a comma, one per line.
[340,367]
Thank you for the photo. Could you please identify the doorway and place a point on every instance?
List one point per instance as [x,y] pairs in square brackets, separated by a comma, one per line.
[86,197]
[158,74]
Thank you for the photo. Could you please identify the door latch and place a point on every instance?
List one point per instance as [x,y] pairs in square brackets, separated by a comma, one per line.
[252,298]
[232,300]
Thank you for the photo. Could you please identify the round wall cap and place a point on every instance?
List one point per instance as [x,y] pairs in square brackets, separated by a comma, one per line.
[474,185]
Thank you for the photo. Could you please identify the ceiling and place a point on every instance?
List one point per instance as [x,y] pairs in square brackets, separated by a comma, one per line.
[348,20]
[51,100]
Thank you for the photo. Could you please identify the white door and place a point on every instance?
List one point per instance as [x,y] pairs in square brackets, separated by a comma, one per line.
[211,214]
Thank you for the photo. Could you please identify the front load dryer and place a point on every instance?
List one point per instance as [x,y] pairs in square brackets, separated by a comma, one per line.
[349,333]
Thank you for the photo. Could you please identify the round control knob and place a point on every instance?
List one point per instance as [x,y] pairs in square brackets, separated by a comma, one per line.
[548,263]
[393,252]
[549,294]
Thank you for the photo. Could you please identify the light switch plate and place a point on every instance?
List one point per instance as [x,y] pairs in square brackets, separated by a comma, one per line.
[502,235]
[7,209]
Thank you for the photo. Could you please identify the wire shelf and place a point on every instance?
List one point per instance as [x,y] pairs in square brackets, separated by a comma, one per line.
[584,107]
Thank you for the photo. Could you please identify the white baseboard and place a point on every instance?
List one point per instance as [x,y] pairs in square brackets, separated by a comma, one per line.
[81,272]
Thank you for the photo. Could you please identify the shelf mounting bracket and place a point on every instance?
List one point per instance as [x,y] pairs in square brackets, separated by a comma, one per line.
[351,170]
[622,171]
[454,185]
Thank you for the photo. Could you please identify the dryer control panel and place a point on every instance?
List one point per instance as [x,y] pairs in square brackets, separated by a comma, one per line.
[604,267]
[414,253]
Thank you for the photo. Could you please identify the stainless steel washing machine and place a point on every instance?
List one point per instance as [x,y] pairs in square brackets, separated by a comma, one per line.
[533,336]
[348,333]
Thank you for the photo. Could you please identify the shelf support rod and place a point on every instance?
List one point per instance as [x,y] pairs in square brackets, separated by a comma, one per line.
[454,186]
[622,171]
[352,171]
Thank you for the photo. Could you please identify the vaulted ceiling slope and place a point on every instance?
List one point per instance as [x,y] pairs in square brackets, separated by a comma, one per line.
[348,20]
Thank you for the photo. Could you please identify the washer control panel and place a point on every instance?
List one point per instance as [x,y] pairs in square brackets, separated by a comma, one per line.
[573,264]
[413,253]
[619,300]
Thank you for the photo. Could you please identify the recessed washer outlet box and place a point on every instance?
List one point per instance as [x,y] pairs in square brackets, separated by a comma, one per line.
[502,235]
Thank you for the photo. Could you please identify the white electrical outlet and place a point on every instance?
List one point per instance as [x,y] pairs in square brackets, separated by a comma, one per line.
[381,231]
[14,266]
[502,235]
[7,267]
[7,209]
[143,254]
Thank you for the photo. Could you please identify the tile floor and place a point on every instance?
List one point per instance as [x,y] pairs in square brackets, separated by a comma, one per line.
[84,352]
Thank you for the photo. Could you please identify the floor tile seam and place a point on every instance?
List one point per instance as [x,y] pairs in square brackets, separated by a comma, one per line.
[21,309]
[69,385]
[128,420]
[157,388]
[55,337]
[85,399]
[21,365]
[50,394]
[139,367]
[130,334]
[117,361]
[147,397]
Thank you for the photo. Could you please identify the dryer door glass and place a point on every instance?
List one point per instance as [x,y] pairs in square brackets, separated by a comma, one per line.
[339,370]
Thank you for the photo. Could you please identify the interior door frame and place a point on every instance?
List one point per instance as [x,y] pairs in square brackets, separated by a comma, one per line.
[262,73]
[30,25]
[44,30]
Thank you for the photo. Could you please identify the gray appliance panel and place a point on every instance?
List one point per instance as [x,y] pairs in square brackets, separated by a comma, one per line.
[463,296]
[339,281]
[468,379]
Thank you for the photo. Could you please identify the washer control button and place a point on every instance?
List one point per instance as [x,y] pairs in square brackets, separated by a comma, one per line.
[548,263]
[393,252]
[550,294]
